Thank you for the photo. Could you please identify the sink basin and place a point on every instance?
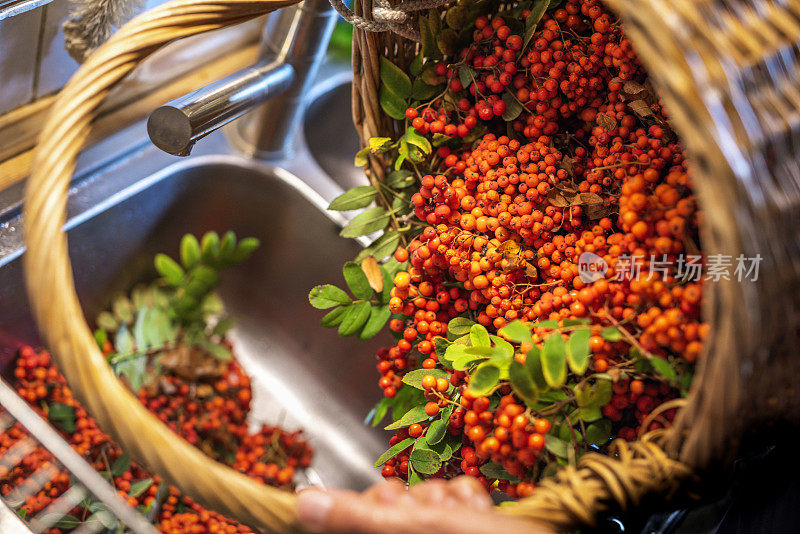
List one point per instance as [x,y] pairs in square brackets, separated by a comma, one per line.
[304,376]
[331,137]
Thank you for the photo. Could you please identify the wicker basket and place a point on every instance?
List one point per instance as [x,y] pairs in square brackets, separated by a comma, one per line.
[727,71]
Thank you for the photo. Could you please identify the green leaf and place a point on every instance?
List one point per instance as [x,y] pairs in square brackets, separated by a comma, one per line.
[394,451]
[513,107]
[227,245]
[354,199]
[190,251]
[414,138]
[438,428]
[422,91]
[456,17]
[400,179]
[516,331]
[67,522]
[121,464]
[388,276]
[106,321]
[394,79]
[554,363]
[440,139]
[357,280]
[392,105]
[140,333]
[137,488]
[598,433]
[100,337]
[362,157]
[522,383]
[466,361]
[578,350]
[496,471]
[575,322]
[209,246]
[160,329]
[604,391]
[405,400]
[533,363]
[218,351]
[425,461]
[368,221]
[223,326]
[123,341]
[169,269]
[549,323]
[503,350]
[414,415]
[612,334]
[380,248]
[201,280]
[403,154]
[664,368]
[428,27]
[244,249]
[401,204]
[440,346]
[557,446]
[123,309]
[134,368]
[447,446]
[378,412]
[379,144]
[484,379]
[446,40]
[589,414]
[537,12]
[378,316]
[466,75]
[416,65]
[413,477]
[414,378]
[479,336]
[459,326]
[62,415]
[327,296]
[355,319]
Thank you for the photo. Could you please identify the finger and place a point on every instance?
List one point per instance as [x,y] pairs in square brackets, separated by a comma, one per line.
[432,492]
[349,513]
[388,492]
[468,491]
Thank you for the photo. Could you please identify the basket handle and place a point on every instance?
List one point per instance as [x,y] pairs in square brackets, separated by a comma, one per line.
[51,285]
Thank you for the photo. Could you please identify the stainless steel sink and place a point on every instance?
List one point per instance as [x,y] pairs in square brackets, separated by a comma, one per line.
[129,201]
[124,211]
[331,137]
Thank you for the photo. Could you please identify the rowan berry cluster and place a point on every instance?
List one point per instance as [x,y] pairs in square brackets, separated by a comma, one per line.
[587,164]
[216,423]
[561,73]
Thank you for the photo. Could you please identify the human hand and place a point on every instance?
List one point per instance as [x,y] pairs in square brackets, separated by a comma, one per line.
[460,506]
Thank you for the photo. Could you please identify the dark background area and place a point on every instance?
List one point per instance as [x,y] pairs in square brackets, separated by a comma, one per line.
[760,494]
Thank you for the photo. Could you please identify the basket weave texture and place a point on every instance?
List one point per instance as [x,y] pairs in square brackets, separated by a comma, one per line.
[727,72]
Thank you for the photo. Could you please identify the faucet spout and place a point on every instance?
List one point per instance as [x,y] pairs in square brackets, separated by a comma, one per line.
[177,125]
[292,49]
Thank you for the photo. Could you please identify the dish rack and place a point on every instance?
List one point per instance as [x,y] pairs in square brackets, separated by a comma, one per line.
[107,512]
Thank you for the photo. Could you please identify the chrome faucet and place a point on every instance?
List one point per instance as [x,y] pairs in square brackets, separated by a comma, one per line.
[292,48]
